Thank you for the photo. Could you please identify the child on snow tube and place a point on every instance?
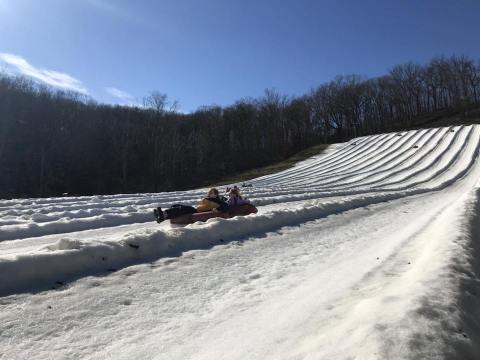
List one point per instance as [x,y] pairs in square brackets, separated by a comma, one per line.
[235,198]
[213,202]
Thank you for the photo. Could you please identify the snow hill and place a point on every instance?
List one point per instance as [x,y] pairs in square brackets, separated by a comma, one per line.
[362,252]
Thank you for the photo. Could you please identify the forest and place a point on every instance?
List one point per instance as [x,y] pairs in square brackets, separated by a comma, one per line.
[54,142]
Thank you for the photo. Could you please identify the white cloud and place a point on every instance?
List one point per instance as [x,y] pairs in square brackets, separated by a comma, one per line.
[19,65]
[118,93]
[127,99]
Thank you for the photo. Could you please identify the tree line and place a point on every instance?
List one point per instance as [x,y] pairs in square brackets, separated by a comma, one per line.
[54,142]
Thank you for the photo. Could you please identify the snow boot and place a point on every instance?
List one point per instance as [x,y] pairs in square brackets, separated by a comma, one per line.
[158,214]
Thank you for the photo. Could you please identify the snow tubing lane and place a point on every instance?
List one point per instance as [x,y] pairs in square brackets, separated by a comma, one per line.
[240,210]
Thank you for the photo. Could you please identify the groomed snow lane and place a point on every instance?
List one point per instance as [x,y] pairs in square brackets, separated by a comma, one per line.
[348,286]
[364,252]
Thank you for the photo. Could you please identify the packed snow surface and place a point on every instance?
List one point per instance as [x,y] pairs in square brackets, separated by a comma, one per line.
[357,253]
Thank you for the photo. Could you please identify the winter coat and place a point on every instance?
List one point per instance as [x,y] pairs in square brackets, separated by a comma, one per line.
[236,200]
[209,204]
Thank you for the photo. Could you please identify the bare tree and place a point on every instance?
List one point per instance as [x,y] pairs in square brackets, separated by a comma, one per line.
[160,103]
[53,142]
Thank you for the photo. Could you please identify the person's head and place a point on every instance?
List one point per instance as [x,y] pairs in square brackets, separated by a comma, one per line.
[212,193]
[234,192]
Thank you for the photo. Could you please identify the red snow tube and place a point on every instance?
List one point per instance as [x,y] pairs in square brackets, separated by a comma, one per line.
[240,210]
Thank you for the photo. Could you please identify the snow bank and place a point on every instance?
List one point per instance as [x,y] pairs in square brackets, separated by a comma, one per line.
[68,258]
[63,225]
[444,158]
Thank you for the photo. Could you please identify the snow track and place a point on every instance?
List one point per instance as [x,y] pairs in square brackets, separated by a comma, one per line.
[363,171]
[366,231]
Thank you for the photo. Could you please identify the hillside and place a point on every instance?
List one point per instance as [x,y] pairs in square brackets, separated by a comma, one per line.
[365,251]
[54,143]
[245,176]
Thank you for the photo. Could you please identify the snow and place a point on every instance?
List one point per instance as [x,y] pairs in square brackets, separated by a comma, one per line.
[357,253]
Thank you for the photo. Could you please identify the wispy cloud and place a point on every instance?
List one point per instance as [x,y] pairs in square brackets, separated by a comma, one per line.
[19,65]
[125,97]
[118,93]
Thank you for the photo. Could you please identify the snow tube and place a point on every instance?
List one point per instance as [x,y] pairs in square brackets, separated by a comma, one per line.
[240,210]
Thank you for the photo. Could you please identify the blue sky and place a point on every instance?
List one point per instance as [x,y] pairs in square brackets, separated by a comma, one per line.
[217,51]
